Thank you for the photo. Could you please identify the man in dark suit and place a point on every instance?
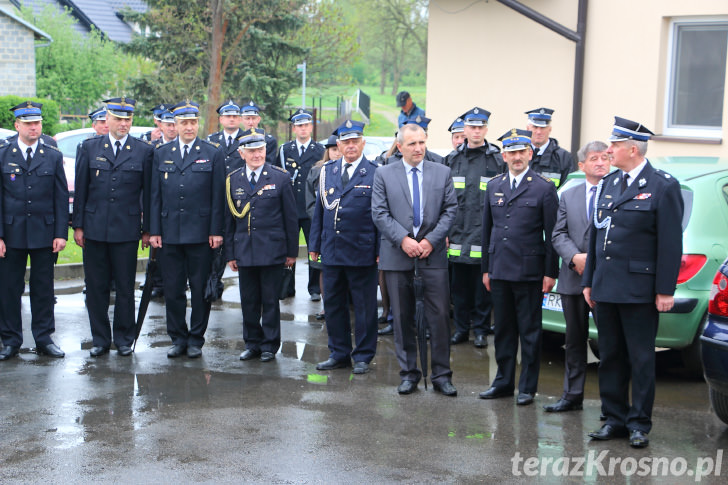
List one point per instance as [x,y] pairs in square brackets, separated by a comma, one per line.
[519,264]
[33,224]
[187,210]
[250,116]
[343,233]
[630,275]
[110,216]
[227,139]
[298,156]
[570,239]
[413,206]
[261,237]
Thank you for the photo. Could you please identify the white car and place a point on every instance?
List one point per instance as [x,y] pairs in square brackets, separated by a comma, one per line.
[6,133]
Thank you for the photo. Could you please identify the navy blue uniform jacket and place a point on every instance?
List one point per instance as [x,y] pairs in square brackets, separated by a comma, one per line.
[188,196]
[517,229]
[640,255]
[298,167]
[33,199]
[346,235]
[112,193]
[268,231]
[233,160]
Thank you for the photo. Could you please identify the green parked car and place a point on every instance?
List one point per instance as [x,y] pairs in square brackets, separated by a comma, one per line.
[704,182]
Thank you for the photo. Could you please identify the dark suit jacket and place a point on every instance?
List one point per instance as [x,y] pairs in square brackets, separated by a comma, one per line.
[571,236]
[112,193]
[268,232]
[188,196]
[233,160]
[33,199]
[517,229]
[393,215]
[641,255]
[347,236]
[298,167]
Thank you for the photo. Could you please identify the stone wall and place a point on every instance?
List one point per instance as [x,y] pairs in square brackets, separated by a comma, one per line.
[17,58]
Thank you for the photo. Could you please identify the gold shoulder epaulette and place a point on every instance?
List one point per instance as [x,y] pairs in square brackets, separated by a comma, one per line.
[280,169]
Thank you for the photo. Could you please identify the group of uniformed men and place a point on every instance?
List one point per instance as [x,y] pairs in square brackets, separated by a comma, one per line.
[487,214]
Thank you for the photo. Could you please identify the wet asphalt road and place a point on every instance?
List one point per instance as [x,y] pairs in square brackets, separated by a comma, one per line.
[149,419]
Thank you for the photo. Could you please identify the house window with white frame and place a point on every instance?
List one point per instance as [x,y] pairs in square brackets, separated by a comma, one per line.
[696,82]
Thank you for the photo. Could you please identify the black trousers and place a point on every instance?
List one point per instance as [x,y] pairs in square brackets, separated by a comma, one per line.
[627,334]
[12,286]
[517,312]
[437,309]
[103,261]
[260,287]
[182,263]
[313,273]
[576,314]
[471,301]
[361,283]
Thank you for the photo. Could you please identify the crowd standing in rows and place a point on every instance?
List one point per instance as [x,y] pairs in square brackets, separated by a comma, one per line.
[485,223]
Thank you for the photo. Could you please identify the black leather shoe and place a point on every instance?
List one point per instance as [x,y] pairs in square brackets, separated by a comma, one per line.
[459,337]
[157,293]
[99,351]
[8,351]
[495,393]
[481,341]
[446,388]
[250,354]
[407,387]
[124,350]
[563,405]
[360,368]
[194,352]
[315,296]
[524,398]
[608,432]
[51,350]
[388,330]
[330,364]
[638,439]
[602,417]
[176,351]
[267,356]
[321,316]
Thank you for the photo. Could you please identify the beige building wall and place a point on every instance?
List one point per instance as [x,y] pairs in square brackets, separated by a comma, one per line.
[486,54]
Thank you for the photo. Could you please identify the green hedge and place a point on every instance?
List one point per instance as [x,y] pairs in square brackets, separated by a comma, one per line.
[51,113]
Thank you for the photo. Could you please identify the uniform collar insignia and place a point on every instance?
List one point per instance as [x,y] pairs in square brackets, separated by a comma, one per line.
[643,182]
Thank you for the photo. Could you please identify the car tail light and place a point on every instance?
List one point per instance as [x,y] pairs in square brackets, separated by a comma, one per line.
[690,264]
[718,303]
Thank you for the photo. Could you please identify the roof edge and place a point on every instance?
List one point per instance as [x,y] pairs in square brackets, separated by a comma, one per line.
[39,33]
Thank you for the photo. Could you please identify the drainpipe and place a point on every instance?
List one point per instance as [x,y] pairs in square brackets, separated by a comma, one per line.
[579,38]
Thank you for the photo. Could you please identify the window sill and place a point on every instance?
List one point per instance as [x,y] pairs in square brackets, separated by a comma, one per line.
[688,139]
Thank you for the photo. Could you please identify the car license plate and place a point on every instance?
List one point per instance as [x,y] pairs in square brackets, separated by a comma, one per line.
[552,301]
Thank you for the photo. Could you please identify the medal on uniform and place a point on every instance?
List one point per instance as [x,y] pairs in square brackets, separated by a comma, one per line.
[238,202]
[12,176]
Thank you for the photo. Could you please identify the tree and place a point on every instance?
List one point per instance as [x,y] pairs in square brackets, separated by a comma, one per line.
[214,49]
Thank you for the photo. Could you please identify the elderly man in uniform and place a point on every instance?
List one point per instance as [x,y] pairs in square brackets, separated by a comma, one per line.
[343,233]
[297,157]
[261,236]
[98,121]
[570,239]
[473,165]
[413,206]
[549,159]
[227,138]
[630,276]
[409,111]
[187,210]
[110,216]
[250,116]
[33,224]
[519,266]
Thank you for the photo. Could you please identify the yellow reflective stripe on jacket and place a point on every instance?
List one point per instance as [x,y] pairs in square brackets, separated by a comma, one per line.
[476,251]
[554,177]
[454,250]
[484,182]
[318,260]
[458,182]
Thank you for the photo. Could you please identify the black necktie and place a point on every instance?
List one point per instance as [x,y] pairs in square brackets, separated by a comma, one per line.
[252,180]
[29,158]
[513,186]
[302,149]
[230,141]
[186,149]
[118,149]
[592,193]
[345,175]
[624,182]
